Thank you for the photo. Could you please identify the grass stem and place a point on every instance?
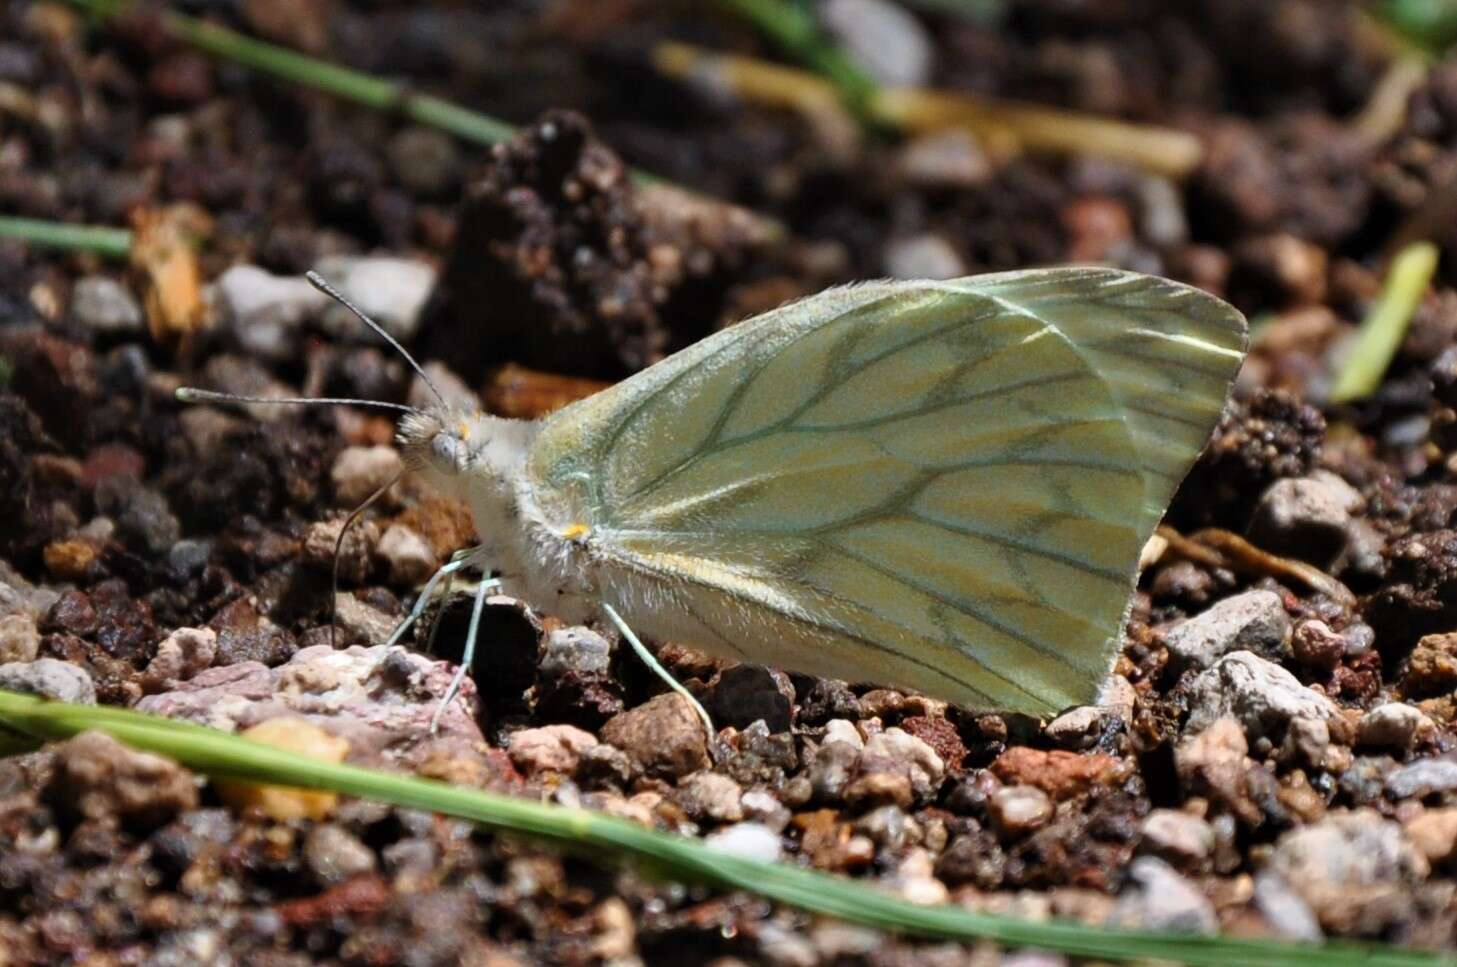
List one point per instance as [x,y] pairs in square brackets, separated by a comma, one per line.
[1386,323]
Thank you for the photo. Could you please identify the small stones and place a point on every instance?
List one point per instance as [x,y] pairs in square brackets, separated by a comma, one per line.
[359,622]
[1264,697]
[945,159]
[711,795]
[1060,774]
[1017,810]
[744,694]
[391,291]
[323,549]
[1079,728]
[927,256]
[96,777]
[1163,900]
[1394,725]
[360,471]
[263,311]
[1434,834]
[746,840]
[1316,646]
[1214,763]
[1177,836]
[663,737]
[1305,518]
[886,40]
[50,678]
[1253,621]
[180,656]
[551,748]
[285,803]
[407,555]
[923,765]
[103,304]
[843,730]
[1422,778]
[19,639]
[1355,870]
[1432,667]
[576,649]
[333,854]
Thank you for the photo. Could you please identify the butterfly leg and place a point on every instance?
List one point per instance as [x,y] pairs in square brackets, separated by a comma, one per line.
[482,590]
[457,561]
[657,669]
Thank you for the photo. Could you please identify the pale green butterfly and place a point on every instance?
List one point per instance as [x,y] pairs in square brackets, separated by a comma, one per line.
[937,485]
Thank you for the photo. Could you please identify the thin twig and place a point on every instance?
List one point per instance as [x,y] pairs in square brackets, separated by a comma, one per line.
[115,243]
[26,721]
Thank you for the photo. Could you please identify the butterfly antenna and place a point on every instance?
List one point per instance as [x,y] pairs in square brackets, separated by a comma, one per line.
[339,550]
[320,283]
[190,394]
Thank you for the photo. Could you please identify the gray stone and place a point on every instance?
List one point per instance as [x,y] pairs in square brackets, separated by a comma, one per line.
[1016,810]
[360,471]
[711,795]
[391,291]
[664,737]
[180,656]
[1422,778]
[551,748]
[1264,697]
[1081,727]
[1302,517]
[105,305]
[1285,910]
[1161,899]
[407,555]
[1355,870]
[926,768]
[1394,725]
[1177,836]
[49,678]
[576,649]
[927,256]
[263,312]
[945,159]
[886,40]
[334,854]
[1253,621]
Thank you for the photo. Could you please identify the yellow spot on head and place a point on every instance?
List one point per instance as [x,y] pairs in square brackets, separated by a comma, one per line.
[575,531]
[464,429]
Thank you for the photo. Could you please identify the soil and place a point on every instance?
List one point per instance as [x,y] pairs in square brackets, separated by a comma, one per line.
[125,516]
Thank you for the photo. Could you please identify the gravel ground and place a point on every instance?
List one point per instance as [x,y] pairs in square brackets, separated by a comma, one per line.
[1276,758]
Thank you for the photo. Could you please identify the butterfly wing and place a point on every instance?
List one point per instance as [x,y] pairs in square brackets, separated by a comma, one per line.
[938,485]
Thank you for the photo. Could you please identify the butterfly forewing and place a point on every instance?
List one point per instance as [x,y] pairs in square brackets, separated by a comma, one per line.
[941,485]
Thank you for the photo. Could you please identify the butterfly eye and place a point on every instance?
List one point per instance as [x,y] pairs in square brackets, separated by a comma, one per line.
[447,449]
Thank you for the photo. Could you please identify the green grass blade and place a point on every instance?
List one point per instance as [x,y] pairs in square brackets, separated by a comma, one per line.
[27,720]
[113,243]
[1386,323]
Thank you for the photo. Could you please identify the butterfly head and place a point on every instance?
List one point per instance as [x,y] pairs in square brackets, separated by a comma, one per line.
[441,444]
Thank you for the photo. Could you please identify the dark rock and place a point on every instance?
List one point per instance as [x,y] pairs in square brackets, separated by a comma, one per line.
[744,694]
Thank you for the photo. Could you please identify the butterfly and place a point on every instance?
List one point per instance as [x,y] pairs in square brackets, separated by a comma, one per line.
[938,485]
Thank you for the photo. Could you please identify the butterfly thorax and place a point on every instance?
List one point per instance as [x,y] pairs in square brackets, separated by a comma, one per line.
[481,461]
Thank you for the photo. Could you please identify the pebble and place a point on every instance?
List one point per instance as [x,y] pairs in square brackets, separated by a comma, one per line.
[945,159]
[424,160]
[551,748]
[353,556]
[287,803]
[1316,646]
[746,840]
[263,312]
[1394,725]
[1162,899]
[575,649]
[1060,774]
[19,639]
[180,656]
[884,39]
[105,305]
[1285,910]
[360,471]
[1302,517]
[1252,621]
[49,678]
[830,770]
[391,291]
[761,806]
[1354,869]
[744,694]
[1016,810]
[1434,833]
[407,555]
[843,730]
[1080,728]
[1162,219]
[98,778]
[1214,762]
[333,854]
[663,737]
[915,879]
[1425,777]
[926,768]
[711,795]
[359,622]
[1177,836]
[928,256]
[1264,697]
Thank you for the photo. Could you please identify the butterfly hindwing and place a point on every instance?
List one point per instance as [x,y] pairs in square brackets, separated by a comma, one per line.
[938,485]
